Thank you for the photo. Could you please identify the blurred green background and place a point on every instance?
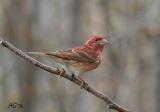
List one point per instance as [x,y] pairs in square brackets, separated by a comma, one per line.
[130,73]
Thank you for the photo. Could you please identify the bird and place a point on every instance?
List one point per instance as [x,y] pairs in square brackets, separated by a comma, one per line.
[78,60]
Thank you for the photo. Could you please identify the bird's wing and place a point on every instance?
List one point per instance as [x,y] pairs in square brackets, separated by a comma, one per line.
[76,54]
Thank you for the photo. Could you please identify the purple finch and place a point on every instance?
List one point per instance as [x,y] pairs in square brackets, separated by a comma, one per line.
[79,59]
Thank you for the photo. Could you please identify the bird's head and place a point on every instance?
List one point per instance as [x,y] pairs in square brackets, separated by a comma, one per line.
[97,42]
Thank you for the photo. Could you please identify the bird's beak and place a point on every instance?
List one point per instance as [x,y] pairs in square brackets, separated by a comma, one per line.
[102,42]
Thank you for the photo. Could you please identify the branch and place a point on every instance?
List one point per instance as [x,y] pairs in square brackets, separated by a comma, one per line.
[55,71]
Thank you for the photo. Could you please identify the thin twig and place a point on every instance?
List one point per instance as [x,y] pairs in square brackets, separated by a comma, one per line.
[111,104]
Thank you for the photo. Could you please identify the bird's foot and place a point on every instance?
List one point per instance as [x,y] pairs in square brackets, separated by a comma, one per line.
[60,72]
[82,82]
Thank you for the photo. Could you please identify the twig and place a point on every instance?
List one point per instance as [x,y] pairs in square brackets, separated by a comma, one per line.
[111,104]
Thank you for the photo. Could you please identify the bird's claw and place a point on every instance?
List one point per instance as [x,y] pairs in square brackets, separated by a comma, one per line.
[60,72]
[82,82]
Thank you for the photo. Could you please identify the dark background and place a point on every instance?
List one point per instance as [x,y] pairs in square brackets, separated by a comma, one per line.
[129,74]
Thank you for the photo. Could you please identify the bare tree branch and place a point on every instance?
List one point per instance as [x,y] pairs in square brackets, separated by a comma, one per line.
[110,103]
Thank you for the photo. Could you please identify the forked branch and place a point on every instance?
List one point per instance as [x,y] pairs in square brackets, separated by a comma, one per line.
[55,71]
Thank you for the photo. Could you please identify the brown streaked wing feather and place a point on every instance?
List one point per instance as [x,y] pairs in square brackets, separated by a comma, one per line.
[87,55]
[77,54]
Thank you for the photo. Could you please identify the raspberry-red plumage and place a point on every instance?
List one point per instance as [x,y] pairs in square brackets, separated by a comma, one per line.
[84,58]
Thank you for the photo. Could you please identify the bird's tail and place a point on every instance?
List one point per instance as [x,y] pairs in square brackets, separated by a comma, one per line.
[36,53]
